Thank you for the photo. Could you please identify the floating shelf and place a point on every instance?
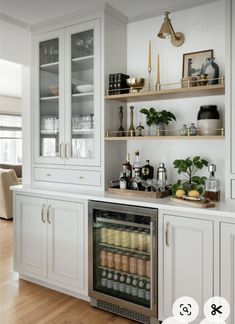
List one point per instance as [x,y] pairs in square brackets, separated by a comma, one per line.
[165,138]
[84,58]
[50,67]
[199,91]
[85,94]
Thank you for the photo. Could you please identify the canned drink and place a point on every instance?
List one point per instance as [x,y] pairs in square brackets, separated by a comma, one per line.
[103,234]
[133,264]
[125,238]
[142,241]
[103,258]
[134,240]
[110,235]
[125,262]
[117,237]
[117,261]
[110,259]
[148,268]
[148,242]
[141,266]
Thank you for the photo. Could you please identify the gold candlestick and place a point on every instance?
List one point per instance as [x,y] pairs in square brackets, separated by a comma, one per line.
[150,64]
[158,84]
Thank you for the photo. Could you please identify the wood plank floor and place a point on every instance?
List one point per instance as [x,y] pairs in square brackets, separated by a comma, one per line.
[22,302]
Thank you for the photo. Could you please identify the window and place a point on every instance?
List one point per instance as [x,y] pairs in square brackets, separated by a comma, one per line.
[10,139]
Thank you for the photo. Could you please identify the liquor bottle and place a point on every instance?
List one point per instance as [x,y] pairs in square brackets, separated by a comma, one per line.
[128,285]
[122,283]
[136,180]
[136,164]
[126,167]
[110,280]
[212,185]
[115,281]
[147,171]
[141,289]
[147,290]
[104,278]
[123,181]
[162,177]
[134,287]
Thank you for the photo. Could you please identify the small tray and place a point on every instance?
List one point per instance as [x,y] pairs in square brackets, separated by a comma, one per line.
[137,193]
[196,204]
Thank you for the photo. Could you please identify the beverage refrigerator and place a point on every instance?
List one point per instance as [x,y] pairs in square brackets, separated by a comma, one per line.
[123,260]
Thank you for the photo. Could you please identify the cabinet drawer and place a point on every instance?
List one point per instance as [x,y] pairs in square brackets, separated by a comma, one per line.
[79,177]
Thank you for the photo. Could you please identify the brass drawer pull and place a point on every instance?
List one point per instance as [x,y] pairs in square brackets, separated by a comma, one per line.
[42,213]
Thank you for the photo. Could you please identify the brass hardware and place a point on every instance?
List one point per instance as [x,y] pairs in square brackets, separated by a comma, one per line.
[167,234]
[158,86]
[67,151]
[48,214]
[107,133]
[42,213]
[167,31]
[62,152]
[222,131]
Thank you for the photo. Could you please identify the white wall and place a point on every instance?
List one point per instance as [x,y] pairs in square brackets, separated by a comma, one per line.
[204,28]
[10,105]
[14,43]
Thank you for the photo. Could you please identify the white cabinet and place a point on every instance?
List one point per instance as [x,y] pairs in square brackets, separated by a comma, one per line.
[30,235]
[187,261]
[67,97]
[227,267]
[51,241]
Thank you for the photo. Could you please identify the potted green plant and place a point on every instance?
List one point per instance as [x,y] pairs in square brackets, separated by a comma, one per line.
[157,120]
[193,185]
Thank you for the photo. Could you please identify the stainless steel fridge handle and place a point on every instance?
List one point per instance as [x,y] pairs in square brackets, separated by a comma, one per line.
[167,234]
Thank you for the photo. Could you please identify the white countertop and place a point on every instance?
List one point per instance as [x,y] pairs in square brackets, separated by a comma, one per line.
[221,209]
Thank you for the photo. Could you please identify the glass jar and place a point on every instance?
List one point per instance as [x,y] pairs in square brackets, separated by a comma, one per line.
[184,130]
[103,258]
[125,262]
[110,259]
[141,266]
[192,130]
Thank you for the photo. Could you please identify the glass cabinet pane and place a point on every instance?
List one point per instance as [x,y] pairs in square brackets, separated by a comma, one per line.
[82,84]
[49,98]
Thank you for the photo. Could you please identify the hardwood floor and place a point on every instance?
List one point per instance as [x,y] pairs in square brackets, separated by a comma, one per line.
[22,302]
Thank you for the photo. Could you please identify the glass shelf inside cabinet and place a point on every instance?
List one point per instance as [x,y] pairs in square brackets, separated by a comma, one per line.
[82,85]
[49,98]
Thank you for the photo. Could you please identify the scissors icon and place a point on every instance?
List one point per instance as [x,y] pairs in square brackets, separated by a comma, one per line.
[216,309]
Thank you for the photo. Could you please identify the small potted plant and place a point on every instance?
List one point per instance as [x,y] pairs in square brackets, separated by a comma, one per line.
[193,185]
[157,120]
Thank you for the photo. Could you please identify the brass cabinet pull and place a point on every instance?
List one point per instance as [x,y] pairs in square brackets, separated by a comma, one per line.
[62,151]
[42,213]
[48,214]
[167,234]
[67,156]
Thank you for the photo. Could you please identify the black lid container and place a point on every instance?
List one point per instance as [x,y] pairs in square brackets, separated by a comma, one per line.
[208,112]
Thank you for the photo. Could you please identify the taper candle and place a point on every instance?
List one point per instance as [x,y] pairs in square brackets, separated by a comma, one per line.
[158,69]
[150,57]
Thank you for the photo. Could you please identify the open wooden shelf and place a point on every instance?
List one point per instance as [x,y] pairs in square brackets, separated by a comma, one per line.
[199,91]
[165,138]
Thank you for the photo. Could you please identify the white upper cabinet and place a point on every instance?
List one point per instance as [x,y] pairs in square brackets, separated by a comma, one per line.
[67,79]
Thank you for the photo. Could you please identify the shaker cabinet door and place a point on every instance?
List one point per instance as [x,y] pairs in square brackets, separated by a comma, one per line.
[67,239]
[187,261]
[227,271]
[30,229]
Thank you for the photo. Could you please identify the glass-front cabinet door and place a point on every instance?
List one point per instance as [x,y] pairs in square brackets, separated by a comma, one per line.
[49,98]
[82,65]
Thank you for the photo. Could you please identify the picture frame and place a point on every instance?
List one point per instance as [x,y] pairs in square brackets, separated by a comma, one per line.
[193,62]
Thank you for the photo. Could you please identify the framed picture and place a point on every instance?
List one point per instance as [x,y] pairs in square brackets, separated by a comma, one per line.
[193,63]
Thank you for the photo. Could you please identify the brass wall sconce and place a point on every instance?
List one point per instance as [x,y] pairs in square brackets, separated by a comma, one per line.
[167,31]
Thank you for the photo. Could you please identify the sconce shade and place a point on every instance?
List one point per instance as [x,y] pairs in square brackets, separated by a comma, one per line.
[167,32]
